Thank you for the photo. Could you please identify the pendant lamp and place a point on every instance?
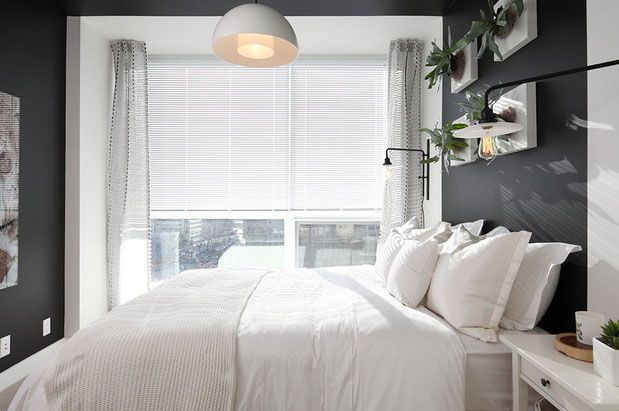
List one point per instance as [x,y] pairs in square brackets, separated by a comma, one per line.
[255,35]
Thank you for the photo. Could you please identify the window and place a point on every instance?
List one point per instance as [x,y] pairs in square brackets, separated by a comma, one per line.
[326,245]
[246,161]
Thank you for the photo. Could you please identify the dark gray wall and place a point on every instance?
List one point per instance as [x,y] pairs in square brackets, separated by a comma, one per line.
[524,190]
[286,7]
[33,69]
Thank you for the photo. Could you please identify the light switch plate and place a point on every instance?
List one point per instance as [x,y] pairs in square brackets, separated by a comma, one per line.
[5,346]
[47,326]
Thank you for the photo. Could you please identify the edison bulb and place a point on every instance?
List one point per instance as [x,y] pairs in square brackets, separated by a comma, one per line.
[487,147]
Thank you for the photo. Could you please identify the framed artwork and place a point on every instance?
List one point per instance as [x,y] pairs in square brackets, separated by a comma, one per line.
[523,29]
[464,68]
[518,106]
[9,188]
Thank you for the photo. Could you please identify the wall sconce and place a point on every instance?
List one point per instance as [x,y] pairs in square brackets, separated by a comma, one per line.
[488,127]
[425,171]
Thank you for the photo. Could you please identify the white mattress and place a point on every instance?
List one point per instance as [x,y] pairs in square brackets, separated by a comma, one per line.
[488,371]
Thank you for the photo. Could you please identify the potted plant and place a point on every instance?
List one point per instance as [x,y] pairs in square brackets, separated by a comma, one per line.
[498,24]
[606,352]
[450,60]
[445,143]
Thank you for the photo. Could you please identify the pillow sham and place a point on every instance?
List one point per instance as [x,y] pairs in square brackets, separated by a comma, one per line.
[470,288]
[535,284]
[386,253]
[411,271]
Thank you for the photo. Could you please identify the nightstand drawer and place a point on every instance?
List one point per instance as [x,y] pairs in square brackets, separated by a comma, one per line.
[550,388]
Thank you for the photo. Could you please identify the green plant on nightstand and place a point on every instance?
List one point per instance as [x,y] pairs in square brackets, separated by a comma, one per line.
[610,334]
[606,352]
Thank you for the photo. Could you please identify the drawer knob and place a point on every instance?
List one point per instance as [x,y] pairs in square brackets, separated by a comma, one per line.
[545,382]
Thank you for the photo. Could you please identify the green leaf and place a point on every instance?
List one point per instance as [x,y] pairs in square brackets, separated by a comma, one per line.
[430,160]
[453,157]
[494,48]
[484,44]
[460,44]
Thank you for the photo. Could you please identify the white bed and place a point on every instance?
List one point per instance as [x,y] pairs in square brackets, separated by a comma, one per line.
[488,371]
[332,339]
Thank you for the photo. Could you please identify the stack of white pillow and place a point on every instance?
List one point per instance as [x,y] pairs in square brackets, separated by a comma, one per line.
[477,283]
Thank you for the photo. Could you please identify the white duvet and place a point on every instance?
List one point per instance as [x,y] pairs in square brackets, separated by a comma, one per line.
[333,339]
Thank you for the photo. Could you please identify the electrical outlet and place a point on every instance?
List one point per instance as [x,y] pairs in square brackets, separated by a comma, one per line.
[5,346]
[47,326]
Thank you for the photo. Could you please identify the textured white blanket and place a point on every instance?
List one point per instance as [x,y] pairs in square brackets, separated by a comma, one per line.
[171,349]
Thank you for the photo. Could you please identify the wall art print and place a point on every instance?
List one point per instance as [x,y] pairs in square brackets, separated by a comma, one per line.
[9,188]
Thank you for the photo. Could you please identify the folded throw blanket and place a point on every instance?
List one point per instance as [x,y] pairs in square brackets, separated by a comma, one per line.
[173,348]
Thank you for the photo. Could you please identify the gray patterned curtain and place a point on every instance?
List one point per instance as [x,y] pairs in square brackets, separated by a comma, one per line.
[402,194]
[128,205]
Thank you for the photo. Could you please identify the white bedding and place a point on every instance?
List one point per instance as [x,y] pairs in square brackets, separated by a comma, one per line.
[488,371]
[333,339]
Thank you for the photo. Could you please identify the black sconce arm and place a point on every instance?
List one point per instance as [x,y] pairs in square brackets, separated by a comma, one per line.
[425,171]
[488,116]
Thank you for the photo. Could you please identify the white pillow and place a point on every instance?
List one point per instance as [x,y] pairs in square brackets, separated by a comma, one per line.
[474,227]
[443,233]
[462,238]
[471,287]
[411,271]
[535,284]
[385,254]
[497,231]
[423,234]
[412,224]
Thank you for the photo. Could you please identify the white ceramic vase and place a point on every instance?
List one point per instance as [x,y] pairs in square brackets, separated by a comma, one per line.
[606,361]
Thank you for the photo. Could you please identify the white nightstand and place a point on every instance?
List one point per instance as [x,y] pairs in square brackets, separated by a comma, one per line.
[567,383]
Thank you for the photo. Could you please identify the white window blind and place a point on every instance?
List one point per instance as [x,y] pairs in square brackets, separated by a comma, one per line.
[308,136]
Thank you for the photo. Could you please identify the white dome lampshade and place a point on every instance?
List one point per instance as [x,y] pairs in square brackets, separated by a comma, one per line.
[487,131]
[481,130]
[255,35]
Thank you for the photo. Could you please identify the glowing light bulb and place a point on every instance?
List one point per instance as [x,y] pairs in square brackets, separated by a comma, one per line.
[255,46]
[487,147]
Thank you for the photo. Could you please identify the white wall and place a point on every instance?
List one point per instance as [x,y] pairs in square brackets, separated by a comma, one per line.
[88,101]
[603,166]
[88,107]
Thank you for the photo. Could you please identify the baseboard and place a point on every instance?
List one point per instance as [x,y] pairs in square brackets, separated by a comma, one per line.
[20,370]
